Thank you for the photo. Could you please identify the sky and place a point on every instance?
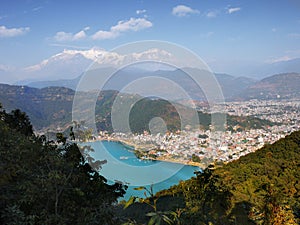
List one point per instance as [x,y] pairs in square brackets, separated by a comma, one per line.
[226,34]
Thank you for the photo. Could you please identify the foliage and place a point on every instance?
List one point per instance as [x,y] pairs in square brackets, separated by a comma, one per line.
[260,188]
[47,182]
[156,217]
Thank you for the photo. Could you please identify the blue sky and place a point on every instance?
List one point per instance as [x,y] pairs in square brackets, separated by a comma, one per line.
[225,33]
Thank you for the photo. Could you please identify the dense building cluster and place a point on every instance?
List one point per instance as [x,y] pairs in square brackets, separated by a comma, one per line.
[209,146]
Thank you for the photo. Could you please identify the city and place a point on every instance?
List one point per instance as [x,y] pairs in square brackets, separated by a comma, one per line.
[183,146]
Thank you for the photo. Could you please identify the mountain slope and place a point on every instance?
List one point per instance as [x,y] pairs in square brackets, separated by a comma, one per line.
[45,107]
[285,85]
[230,85]
[51,108]
[260,188]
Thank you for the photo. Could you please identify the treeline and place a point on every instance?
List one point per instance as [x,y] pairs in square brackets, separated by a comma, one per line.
[49,182]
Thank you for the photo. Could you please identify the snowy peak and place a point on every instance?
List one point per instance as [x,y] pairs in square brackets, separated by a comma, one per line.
[79,60]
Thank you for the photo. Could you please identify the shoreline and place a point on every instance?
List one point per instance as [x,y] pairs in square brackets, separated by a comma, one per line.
[179,161]
[139,148]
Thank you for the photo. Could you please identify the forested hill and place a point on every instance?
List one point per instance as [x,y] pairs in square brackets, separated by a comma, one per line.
[45,182]
[259,188]
[51,107]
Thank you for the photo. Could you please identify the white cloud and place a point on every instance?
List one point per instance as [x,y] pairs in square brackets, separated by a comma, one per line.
[102,34]
[274,29]
[64,36]
[12,32]
[232,10]
[140,11]
[133,24]
[211,14]
[79,35]
[279,59]
[183,10]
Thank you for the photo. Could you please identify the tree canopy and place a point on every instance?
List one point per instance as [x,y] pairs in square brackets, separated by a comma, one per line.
[49,182]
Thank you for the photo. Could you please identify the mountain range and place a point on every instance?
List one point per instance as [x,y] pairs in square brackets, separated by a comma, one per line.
[230,85]
[285,85]
[69,64]
[51,109]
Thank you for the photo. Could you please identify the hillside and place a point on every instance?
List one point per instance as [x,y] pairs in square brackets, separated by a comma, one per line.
[46,107]
[51,108]
[284,86]
[259,188]
[49,182]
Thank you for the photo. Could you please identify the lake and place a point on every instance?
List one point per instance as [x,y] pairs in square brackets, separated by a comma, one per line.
[122,165]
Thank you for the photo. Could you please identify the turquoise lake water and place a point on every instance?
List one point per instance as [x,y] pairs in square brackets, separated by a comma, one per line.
[122,165]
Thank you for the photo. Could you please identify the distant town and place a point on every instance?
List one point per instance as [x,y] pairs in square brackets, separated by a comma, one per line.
[198,147]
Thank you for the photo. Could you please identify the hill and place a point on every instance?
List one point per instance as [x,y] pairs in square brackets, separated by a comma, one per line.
[259,188]
[286,85]
[51,108]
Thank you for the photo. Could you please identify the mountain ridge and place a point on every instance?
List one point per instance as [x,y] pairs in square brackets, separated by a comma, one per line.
[284,85]
[51,108]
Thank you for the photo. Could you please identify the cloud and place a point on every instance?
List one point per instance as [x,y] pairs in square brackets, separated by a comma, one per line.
[279,59]
[274,29]
[13,32]
[140,11]
[64,36]
[102,34]
[182,10]
[232,10]
[211,14]
[133,24]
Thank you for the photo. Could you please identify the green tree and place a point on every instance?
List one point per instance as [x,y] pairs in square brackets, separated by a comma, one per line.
[49,182]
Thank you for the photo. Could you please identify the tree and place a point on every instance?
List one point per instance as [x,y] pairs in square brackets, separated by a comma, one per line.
[49,182]
[19,121]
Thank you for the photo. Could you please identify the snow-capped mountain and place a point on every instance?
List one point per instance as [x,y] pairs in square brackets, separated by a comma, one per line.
[69,64]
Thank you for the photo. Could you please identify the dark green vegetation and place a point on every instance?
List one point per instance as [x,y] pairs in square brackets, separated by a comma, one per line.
[47,182]
[50,108]
[260,188]
[146,109]
[44,182]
